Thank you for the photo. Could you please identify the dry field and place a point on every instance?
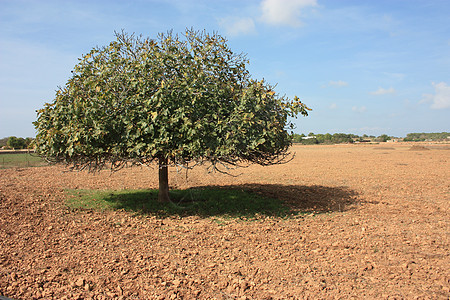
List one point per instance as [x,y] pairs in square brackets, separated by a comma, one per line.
[376,227]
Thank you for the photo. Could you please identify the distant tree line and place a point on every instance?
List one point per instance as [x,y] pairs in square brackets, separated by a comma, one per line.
[340,138]
[337,138]
[16,143]
[419,137]
[13,142]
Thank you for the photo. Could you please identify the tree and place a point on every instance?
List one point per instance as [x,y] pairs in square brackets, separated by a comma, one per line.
[16,143]
[176,101]
[328,138]
[29,143]
[297,138]
[383,138]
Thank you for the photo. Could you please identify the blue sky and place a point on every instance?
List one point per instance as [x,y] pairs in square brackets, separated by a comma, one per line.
[364,67]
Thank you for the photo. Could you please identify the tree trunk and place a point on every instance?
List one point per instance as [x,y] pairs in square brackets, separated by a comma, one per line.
[163,193]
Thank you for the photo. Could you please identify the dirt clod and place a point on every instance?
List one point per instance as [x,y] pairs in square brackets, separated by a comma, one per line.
[79,282]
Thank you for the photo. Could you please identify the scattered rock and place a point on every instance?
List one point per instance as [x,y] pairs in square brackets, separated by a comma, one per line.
[79,282]
[176,282]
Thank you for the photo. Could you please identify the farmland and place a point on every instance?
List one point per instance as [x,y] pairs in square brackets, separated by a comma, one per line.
[9,159]
[365,221]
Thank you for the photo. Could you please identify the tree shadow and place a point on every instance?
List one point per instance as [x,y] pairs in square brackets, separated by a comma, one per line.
[245,200]
[303,199]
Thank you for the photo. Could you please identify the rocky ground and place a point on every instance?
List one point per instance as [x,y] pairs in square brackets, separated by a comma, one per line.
[376,226]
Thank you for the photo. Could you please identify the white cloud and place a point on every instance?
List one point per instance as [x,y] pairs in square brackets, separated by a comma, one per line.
[284,12]
[395,76]
[441,98]
[360,109]
[237,26]
[338,83]
[382,91]
[332,106]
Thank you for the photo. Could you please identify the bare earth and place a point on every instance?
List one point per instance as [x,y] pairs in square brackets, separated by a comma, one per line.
[376,227]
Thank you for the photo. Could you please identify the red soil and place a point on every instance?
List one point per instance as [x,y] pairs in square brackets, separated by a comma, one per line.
[377,227]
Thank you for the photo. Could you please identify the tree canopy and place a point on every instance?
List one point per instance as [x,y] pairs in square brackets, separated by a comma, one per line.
[18,142]
[174,100]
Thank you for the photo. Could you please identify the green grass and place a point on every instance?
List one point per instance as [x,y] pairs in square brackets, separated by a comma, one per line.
[203,202]
[23,160]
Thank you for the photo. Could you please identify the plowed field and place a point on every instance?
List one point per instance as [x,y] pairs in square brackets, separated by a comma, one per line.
[375,225]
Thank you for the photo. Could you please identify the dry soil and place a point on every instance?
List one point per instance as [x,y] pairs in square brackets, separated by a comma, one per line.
[376,226]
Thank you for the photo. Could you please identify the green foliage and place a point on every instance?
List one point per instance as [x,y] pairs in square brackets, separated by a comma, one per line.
[383,138]
[339,138]
[16,143]
[310,141]
[418,137]
[327,138]
[202,202]
[297,138]
[29,143]
[179,100]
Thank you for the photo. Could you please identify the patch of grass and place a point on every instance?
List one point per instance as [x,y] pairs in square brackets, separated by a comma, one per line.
[203,202]
[22,160]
